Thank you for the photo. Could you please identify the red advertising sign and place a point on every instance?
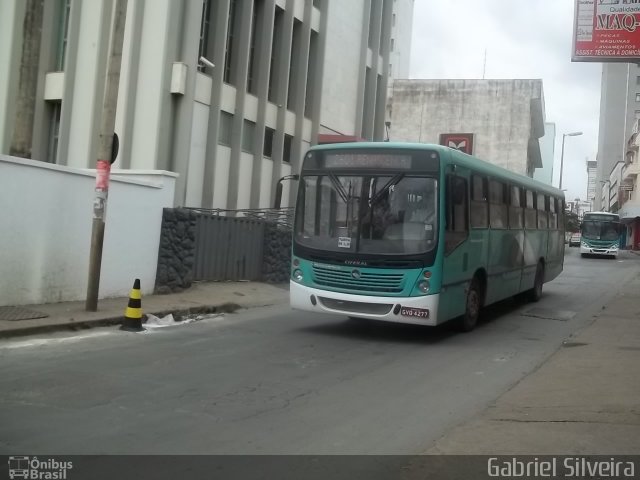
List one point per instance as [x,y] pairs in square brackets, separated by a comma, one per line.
[606,31]
[459,141]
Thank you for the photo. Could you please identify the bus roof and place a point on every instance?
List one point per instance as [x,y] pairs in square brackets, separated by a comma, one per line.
[451,156]
[601,213]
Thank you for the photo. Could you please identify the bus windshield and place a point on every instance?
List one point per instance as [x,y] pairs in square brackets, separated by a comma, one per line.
[600,230]
[391,213]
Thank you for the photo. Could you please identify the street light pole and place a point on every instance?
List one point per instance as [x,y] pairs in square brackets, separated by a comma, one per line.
[564,135]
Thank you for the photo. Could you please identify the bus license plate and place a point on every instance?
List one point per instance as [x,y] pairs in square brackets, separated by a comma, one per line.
[414,312]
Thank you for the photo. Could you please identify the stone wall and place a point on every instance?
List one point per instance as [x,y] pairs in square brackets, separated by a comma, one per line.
[277,254]
[177,250]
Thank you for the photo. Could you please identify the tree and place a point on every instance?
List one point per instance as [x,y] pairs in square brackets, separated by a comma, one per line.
[572,222]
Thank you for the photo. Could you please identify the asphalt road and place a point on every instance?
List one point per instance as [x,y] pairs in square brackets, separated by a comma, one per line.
[273,381]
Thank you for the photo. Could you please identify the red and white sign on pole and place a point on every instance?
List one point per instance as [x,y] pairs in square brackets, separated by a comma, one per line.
[606,31]
[103,170]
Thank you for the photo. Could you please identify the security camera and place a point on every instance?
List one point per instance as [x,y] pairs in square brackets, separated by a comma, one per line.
[207,62]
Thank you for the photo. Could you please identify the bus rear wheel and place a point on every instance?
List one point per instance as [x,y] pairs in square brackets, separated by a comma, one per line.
[469,320]
[535,293]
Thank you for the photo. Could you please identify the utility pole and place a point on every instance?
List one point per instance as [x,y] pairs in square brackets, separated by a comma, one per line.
[106,152]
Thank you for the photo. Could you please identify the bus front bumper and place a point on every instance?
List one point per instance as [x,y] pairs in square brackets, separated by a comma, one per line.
[414,310]
[587,250]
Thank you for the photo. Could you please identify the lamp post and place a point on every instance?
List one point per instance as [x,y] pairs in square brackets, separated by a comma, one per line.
[564,135]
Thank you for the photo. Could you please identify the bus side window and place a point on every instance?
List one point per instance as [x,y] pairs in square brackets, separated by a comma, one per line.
[498,214]
[530,217]
[553,214]
[515,208]
[457,213]
[541,205]
[479,202]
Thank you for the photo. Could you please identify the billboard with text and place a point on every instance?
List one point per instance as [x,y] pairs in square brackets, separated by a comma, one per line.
[606,31]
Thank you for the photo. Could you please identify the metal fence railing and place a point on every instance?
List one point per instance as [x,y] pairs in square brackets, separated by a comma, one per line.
[281,216]
[229,244]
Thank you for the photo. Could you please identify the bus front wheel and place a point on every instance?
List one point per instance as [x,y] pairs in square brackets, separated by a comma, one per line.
[469,320]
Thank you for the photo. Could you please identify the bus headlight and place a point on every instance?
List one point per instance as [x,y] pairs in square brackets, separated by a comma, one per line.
[297,275]
[423,286]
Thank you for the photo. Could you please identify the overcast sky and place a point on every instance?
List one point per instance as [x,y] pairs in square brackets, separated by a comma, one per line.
[523,39]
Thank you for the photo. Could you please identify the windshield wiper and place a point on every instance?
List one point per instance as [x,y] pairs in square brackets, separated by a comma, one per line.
[339,188]
[380,193]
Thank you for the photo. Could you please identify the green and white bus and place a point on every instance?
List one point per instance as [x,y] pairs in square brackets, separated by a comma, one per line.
[600,234]
[419,234]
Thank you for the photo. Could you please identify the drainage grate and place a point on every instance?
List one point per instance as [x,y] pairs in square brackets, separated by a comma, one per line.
[19,313]
[549,314]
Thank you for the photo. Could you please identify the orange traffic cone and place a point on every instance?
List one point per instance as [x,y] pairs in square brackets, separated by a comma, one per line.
[133,313]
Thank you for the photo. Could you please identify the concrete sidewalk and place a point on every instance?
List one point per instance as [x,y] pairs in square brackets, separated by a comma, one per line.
[200,298]
[584,400]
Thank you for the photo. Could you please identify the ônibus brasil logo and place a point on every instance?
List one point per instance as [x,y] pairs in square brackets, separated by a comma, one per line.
[33,468]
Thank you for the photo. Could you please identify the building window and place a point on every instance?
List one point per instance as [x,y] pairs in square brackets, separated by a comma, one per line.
[370,39]
[251,80]
[286,151]
[228,54]
[294,63]
[393,20]
[267,149]
[276,41]
[393,42]
[638,80]
[312,81]
[204,33]
[226,126]
[248,135]
[64,34]
[54,132]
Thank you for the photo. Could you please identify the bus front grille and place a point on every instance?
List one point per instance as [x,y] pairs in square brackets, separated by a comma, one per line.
[379,282]
[356,307]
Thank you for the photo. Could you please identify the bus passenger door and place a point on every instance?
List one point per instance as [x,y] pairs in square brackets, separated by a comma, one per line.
[455,266]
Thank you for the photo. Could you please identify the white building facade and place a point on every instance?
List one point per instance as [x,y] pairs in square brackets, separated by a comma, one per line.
[547,153]
[619,110]
[504,118]
[286,72]
[628,193]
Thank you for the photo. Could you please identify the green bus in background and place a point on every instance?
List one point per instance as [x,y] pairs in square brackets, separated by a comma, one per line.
[600,234]
[419,234]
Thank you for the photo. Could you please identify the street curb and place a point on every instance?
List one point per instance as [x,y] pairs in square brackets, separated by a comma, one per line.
[226,307]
